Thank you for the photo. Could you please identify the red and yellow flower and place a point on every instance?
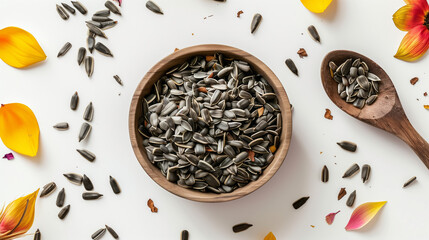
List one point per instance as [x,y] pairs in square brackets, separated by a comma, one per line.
[414,18]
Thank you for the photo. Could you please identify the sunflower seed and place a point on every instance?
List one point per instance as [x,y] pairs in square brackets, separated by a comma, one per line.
[64,49]
[91,195]
[351,199]
[98,234]
[298,203]
[351,171]
[153,7]
[103,13]
[112,232]
[108,24]
[366,171]
[313,33]
[371,99]
[256,21]
[68,8]
[79,7]
[241,227]
[37,235]
[184,235]
[89,65]
[87,183]
[112,7]
[96,30]
[118,80]
[64,211]
[89,112]
[411,180]
[63,14]
[74,178]
[60,198]
[81,55]
[48,189]
[101,19]
[84,131]
[103,49]
[291,65]
[62,126]
[91,43]
[325,174]
[74,101]
[114,185]
[342,193]
[349,146]
[86,154]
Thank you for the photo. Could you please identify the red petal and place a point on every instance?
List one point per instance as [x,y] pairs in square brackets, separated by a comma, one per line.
[414,44]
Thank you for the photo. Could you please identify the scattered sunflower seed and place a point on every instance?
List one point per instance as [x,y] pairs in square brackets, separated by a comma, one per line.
[313,33]
[103,49]
[96,30]
[64,49]
[366,171]
[351,199]
[351,171]
[89,65]
[256,21]
[63,14]
[101,19]
[103,13]
[87,183]
[184,235]
[89,112]
[90,41]
[81,55]
[48,189]
[118,80]
[298,203]
[68,8]
[86,154]
[91,195]
[241,227]
[349,146]
[79,6]
[74,178]
[37,235]
[411,180]
[342,193]
[84,131]
[153,7]
[114,185]
[325,174]
[98,234]
[64,211]
[60,198]
[291,65]
[112,7]
[62,126]
[74,101]
[112,232]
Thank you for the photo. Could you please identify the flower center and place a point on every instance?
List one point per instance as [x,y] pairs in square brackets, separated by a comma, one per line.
[426,23]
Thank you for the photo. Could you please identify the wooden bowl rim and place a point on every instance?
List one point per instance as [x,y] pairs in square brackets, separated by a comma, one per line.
[160,68]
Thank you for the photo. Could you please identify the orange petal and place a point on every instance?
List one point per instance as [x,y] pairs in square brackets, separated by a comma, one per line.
[316,6]
[19,129]
[363,215]
[18,48]
[414,44]
[18,216]
[270,236]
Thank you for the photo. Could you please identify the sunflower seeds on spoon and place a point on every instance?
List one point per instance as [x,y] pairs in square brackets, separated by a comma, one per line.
[325,174]
[63,213]
[89,112]
[69,8]
[81,55]
[411,180]
[62,126]
[241,227]
[96,30]
[291,65]
[74,101]
[153,7]
[118,80]
[64,49]
[98,234]
[84,131]
[298,203]
[63,14]
[87,183]
[79,6]
[351,199]
[351,171]
[366,171]
[74,178]
[112,232]
[37,235]
[256,21]
[89,65]
[349,146]
[103,49]
[103,13]
[112,7]
[48,189]
[91,195]
[86,154]
[114,185]
[313,33]
[60,198]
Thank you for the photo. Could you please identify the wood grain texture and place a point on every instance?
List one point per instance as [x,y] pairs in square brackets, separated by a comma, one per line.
[386,113]
[178,58]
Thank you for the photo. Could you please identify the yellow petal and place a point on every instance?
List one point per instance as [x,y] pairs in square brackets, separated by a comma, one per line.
[316,6]
[18,216]
[270,236]
[18,48]
[19,129]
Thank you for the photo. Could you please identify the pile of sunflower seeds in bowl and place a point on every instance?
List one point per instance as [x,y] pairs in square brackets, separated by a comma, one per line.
[211,124]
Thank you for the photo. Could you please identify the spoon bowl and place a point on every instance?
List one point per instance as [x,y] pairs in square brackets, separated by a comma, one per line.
[385,113]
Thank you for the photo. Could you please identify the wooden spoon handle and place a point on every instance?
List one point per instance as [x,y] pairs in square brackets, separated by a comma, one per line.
[420,146]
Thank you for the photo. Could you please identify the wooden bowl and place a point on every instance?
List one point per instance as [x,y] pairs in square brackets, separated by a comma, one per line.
[178,58]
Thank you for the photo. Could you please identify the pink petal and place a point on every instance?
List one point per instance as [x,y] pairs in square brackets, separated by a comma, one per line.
[9,156]
[330,217]
[364,214]
[120,2]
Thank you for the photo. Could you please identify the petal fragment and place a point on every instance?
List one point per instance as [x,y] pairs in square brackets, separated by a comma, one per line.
[9,156]
[270,236]
[316,6]
[414,44]
[363,215]
[19,129]
[330,217]
[18,48]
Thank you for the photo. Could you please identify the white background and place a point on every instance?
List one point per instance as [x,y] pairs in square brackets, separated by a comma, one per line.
[141,39]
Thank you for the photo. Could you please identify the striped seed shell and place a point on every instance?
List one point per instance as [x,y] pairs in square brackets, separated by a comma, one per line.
[89,112]
[74,101]
[94,23]
[48,189]
[87,183]
[349,146]
[79,6]
[241,227]
[108,24]
[63,14]
[103,49]
[90,41]
[114,185]
[118,80]
[68,8]
[411,180]
[60,198]
[325,174]
[96,30]
[351,199]
[342,193]
[91,195]
[351,171]
[89,65]
[112,7]
[86,154]
[153,7]
[298,203]
[37,235]
[366,171]
[84,131]
[64,49]
[98,234]
[112,232]
[103,13]
[256,21]
[81,55]
[101,18]
[313,33]
[64,211]
[291,65]
[74,178]
[61,126]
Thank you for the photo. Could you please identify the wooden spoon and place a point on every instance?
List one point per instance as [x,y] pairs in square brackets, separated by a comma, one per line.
[385,113]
